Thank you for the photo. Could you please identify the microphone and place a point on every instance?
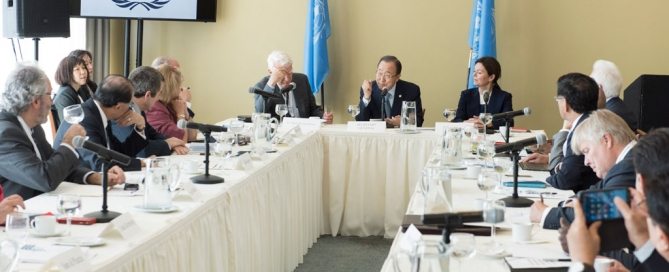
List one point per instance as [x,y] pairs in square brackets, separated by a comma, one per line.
[258,91]
[455,219]
[293,86]
[102,151]
[511,114]
[519,145]
[183,124]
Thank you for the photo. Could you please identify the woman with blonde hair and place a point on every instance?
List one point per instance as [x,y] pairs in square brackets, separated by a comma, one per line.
[169,109]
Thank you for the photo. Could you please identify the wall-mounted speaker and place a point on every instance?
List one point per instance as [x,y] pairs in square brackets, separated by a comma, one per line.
[647,97]
[35,18]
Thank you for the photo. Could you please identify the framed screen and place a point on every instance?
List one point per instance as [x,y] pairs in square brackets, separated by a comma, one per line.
[180,10]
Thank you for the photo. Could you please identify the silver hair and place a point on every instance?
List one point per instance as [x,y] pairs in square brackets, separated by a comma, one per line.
[278,59]
[160,61]
[599,123]
[24,84]
[606,74]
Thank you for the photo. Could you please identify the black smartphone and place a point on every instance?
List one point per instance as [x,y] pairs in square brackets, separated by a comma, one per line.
[131,187]
[598,205]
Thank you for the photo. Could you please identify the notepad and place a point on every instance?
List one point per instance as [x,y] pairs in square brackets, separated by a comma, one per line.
[536,264]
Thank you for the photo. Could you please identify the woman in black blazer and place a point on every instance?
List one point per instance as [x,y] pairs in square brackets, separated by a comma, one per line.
[72,76]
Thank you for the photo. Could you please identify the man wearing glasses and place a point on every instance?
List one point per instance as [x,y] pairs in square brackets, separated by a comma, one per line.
[382,98]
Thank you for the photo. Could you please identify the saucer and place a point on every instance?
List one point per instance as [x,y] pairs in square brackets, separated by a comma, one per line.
[141,208]
[44,235]
[80,241]
[530,242]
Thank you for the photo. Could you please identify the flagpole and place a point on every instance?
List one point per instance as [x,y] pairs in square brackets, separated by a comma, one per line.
[323,96]
[469,69]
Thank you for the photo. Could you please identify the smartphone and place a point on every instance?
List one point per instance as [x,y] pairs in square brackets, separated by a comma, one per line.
[77,220]
[131,186]
[598,205]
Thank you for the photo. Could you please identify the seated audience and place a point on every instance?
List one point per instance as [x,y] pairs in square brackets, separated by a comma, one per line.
[607,75]
[169,109]
[72,76]
[88,61]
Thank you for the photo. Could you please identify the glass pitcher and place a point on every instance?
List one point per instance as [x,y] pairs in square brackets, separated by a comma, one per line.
[264,128]
[451,152]
[439,193]
[162,178]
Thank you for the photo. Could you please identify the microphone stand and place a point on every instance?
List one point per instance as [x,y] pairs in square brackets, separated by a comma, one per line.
[507,123]
[514,200]
[104,215]
[206,178]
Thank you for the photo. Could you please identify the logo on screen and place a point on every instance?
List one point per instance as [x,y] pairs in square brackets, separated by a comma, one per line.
[147,4]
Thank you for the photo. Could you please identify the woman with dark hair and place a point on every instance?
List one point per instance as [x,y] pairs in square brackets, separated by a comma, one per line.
[88,60]
[72,76]
[487,96]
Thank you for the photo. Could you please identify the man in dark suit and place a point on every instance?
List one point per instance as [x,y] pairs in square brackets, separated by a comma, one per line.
[28,164]
[383,97]
[646,219]
[576,97]
[605,141]
[111,103]
[288,88]
[147,82]
[607,75]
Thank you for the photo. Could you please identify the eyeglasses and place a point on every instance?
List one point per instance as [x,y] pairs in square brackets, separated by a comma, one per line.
[385,76]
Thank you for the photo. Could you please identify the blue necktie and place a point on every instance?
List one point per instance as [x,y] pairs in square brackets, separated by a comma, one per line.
[386,106]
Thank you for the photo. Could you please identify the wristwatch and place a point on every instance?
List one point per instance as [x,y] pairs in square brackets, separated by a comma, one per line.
[581,267]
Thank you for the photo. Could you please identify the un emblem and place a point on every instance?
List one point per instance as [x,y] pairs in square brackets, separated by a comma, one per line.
[147,4]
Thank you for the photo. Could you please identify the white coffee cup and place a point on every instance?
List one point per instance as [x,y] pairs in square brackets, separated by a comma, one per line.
[602,264]
[522,231]
[473,171]
[44,224]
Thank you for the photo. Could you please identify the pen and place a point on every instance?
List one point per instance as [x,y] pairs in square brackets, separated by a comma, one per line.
[541,197]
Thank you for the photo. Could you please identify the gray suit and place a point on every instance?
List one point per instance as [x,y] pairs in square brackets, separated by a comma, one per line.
[22,172]
[305,100]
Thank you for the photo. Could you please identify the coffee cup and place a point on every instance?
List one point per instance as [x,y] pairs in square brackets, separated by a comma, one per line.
[522,231]
[44,224]
[603,264]
[473,172]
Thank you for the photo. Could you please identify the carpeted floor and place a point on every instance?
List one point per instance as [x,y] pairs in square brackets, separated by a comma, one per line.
[346,254]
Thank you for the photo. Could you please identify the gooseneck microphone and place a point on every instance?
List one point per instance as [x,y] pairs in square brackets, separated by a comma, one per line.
[511,114]
[539,139]
[258,91]
[291,88]
[183,124]
[102,151]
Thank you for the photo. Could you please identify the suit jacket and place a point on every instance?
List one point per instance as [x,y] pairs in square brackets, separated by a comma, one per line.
[404,91]
[556,155]
[95,131]
[470,105]
[304,97]
[156,144]
[22,172]
[621,175]
[573,174]
[617,106]
[67,96]
[654,263]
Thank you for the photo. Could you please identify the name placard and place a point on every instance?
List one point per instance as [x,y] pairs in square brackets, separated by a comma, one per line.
[440,127]
[191,191]
[124,225]
[366,126]
[306,124]
[72,260]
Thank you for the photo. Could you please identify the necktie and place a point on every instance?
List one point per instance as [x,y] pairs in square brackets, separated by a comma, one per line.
[386,106]
[108,132]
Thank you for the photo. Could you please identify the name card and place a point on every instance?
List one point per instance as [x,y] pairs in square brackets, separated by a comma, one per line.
[366,126]
[191,191]
[440,127]
[124,225]
[411,236]
[244,162]
[306,124]
[72,260]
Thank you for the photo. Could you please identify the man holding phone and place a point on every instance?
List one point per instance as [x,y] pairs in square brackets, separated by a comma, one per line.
[646,219]
[605,140]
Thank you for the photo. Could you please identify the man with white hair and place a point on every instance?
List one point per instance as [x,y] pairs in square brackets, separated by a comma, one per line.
[608,77]
[28,164]
[293,88]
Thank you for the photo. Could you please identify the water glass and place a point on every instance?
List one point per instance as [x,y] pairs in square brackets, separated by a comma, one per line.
[16,226]
[486,119]
[353,110]
[486,150]
[281,110]
[69,205]
[462,246]
[493,213]
[487,181]
[408,117]
[449,114]
[73,114]
[224,143]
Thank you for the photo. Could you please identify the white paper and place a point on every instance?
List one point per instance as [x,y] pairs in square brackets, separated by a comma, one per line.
[306,124]
[40,253]
[124,225]
[366,126]
[411,236]
[72,260]
[524,263]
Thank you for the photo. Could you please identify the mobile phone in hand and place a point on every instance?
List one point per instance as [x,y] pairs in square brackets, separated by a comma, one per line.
[598,205]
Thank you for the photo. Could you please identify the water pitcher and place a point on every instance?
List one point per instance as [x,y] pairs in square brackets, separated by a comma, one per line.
[451,152]
[162,178]
[264,128]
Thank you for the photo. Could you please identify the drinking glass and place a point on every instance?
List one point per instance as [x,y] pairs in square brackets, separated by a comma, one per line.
[462,246]
[73,114]
[236,126]
[353,110]
[486,119]
[16,226]
[486,150]
[224,143]
[449,114]
[69,205]
[493,213]
[487,181]
[281,110]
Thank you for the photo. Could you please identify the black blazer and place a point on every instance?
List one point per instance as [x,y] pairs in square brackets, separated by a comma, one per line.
[305,100]
[621,175]
[470,104]
[404,91]
[573,174]
[617,106]
[67,96]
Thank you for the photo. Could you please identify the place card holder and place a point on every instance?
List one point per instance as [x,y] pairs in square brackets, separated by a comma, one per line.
[124,225]
[366,126]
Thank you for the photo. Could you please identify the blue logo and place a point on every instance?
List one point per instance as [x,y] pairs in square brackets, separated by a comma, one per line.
[147,4]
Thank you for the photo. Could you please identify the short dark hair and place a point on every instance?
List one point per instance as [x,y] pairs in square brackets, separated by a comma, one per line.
[146,79]
[114,89]
[651,161]
[64,73]
[491,66]
[579,91]
[79,53]
[393,59]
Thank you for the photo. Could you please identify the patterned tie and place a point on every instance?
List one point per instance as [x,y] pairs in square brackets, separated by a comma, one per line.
[386,106]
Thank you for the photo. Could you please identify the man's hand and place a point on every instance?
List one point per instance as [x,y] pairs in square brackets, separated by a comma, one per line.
[537,211]
[617,267]
[583,241]
[367,89]
[535,158]
[9,204]
[74,130]
[115,176]
[635,217]
[277,76]
[327,116]
[132,118]
[477,122]
[181,150]
[562,232]
[394,122]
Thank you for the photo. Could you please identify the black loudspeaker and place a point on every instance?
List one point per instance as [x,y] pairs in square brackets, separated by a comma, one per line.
[647,97]
[35,18]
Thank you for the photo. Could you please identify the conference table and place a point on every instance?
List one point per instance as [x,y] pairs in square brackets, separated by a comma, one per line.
[264,217]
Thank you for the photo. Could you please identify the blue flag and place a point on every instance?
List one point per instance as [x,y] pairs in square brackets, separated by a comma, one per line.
[316,64]
[482,39]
